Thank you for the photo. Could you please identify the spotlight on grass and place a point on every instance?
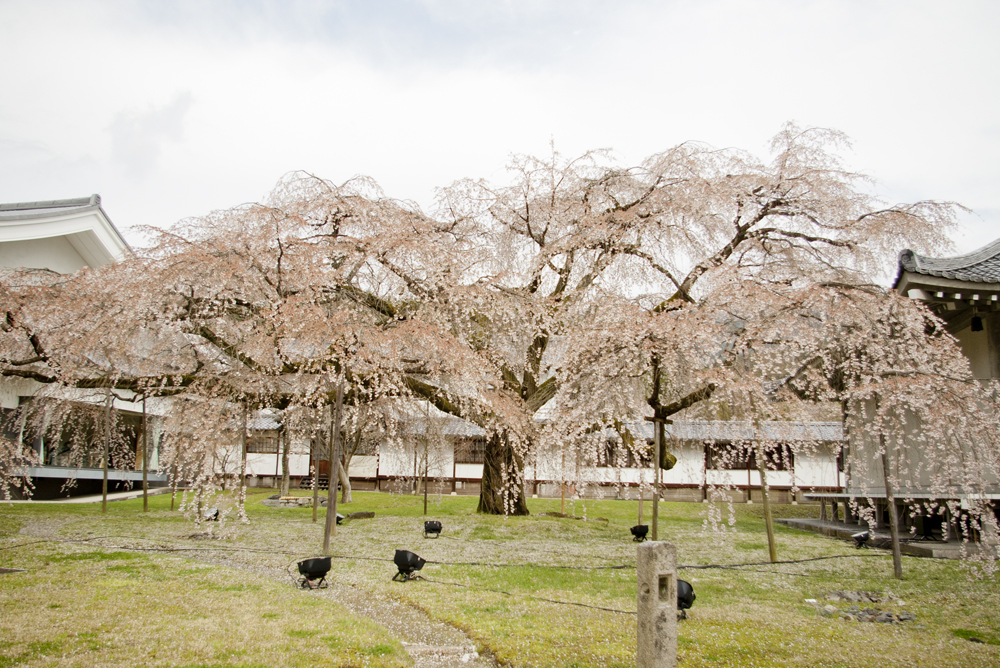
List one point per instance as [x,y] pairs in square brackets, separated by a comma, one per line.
[685,597]
[432,529]
[408,563]
[313,572]
[639,532]
[861,539]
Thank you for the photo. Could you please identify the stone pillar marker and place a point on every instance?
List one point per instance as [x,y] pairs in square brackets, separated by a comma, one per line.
[656,570]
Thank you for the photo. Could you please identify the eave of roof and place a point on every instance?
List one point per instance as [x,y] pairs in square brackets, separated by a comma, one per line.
[733,430]
[979,266]
[18,211]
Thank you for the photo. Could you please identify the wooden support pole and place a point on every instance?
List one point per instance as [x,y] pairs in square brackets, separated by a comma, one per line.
[657,444]
[145,458]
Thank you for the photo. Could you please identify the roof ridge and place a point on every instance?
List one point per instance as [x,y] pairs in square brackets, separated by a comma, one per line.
[92,200]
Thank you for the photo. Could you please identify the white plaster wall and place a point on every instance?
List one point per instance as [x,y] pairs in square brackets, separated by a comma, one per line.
[266,464]
[715,477]
[263,464]
[398,461]
[364,466]
[689,469]
[470,471]
[913,457]
[11,389]
[690,466]
[975,345]
[817,469]
[55,253]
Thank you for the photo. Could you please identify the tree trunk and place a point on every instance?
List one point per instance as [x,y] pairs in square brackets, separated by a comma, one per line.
[173,494]
[331,499]
[345,469]
[426,463]
[562,486]
[501,492]
[242,501]
[345,481]
[772,545]
[315,474]
[285,449]
[107,450]
[890,499]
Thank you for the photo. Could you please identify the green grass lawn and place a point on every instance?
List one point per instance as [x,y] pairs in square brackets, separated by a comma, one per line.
[145,589]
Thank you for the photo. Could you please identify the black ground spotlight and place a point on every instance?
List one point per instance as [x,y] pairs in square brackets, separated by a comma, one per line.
[313,572]
[685,595]
[432,529]
[407,563]
[340,518]
[639,532]
[861,539]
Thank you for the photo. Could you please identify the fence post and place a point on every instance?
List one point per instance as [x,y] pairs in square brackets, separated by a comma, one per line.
[656,570]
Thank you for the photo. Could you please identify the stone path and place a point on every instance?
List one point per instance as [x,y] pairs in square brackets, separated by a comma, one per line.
[430,643]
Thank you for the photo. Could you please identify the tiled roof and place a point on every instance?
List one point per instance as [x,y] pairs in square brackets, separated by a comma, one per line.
[732,430]
[263,421]
[414,417]
[979,266]
[23,210]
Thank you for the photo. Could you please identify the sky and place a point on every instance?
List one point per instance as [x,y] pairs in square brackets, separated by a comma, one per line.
[171,109]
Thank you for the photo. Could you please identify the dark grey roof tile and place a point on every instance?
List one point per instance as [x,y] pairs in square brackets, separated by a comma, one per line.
[979,266]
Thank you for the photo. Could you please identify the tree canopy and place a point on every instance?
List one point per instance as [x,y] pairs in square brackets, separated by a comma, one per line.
[602,293]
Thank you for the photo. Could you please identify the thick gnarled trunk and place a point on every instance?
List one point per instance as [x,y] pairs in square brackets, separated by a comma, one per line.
[502,491]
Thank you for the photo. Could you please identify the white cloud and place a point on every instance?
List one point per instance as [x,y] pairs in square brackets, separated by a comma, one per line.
[138,136]
[173,109]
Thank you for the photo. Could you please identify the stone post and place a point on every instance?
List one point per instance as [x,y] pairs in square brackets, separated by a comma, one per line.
[656,570]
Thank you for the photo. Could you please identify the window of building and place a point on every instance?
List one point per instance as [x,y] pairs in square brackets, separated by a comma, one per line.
[263,443]
[729,457]
[615,454]
[470,450]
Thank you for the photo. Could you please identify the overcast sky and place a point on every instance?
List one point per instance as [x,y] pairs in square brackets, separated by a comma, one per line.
[173,109]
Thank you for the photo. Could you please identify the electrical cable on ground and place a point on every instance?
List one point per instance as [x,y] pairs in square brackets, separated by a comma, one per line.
[440,563]
[536,598]
[445,563]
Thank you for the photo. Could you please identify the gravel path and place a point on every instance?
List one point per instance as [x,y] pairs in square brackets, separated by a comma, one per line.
[430,643]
